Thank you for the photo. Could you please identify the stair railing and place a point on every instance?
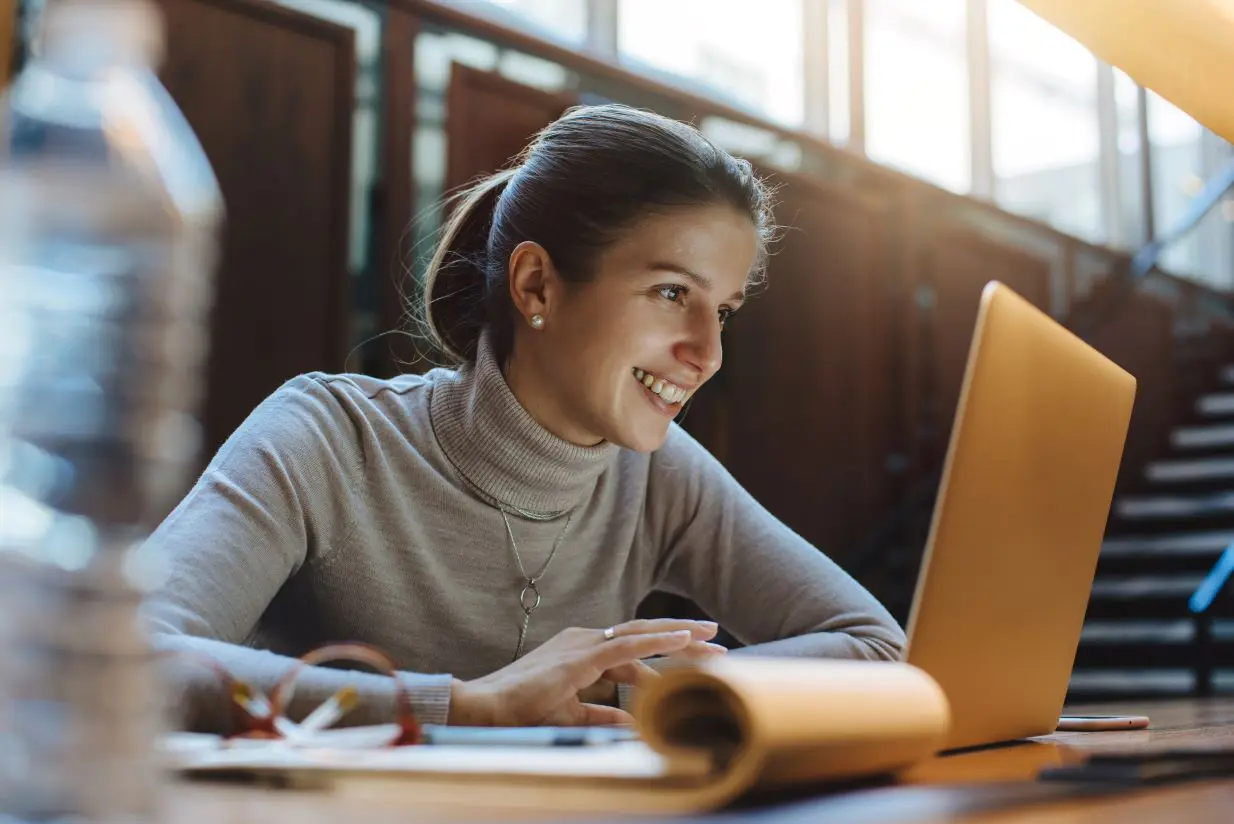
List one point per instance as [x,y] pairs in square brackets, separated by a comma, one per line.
[1201,607]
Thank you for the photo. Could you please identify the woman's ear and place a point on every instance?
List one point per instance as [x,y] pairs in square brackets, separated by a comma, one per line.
[534,282]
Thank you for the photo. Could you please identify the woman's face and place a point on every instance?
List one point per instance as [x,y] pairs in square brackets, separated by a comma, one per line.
[620,355]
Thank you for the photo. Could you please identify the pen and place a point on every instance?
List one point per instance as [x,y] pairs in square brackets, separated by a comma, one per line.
[525,736]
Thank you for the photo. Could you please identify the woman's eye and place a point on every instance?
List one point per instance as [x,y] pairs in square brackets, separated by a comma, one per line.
[725,315]
[672,293]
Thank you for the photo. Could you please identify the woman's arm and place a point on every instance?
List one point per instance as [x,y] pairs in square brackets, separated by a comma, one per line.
[762,582]
[276,497]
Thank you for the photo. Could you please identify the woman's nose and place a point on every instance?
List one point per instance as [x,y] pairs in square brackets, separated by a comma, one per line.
[702,350]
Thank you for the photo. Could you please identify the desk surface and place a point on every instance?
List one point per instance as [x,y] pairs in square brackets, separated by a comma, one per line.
[958,778]
[990,786]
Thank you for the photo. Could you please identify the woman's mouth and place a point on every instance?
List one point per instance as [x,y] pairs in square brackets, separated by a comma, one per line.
[664,394]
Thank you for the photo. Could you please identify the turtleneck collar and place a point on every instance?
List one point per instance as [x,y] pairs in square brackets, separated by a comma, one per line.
[492,440]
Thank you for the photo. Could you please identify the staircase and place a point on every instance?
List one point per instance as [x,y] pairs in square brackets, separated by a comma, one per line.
[1140,639]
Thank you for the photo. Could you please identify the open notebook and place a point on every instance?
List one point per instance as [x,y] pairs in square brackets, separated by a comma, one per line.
[707,735]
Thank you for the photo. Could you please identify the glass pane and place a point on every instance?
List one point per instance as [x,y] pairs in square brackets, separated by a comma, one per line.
[1178,175]
[838,109]
[564,20]
[1043,89]
[1131,179]
[1184,155]
[746,54]
[916,88]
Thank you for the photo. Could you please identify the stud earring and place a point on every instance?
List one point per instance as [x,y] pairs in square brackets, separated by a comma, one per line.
[537,321]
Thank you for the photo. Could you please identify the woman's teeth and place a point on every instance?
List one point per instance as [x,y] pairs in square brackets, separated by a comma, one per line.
[668,392]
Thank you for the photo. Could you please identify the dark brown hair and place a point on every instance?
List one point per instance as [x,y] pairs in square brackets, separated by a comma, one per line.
[582,180]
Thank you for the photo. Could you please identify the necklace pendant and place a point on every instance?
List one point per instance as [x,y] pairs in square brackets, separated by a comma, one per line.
[522,636]
[529,595]
[529,598]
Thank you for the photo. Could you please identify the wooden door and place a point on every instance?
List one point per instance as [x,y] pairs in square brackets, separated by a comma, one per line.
[489,119]
[269,92]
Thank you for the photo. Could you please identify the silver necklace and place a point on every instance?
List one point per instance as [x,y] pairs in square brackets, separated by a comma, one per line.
[529,596]
[496,503]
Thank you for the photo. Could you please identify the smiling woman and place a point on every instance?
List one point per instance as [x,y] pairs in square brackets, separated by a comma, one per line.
[614,220]
[494,526]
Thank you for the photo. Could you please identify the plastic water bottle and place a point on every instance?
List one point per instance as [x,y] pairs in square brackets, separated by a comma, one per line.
[108,220]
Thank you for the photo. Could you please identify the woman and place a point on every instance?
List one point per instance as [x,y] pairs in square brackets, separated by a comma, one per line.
[493,528]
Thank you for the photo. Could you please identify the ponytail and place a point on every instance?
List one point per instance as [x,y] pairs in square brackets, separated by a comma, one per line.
[457,299]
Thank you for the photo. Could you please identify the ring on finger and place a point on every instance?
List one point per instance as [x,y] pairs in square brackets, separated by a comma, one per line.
[610,633]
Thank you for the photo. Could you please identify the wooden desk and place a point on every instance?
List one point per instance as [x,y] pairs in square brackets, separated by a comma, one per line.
[1173,724]
[990,786]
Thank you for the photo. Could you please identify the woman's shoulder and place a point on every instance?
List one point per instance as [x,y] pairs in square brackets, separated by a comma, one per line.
[685,480]
[360,386]
[338,410]
[355,393]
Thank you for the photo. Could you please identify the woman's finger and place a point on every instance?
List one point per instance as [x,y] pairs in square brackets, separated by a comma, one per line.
[700,630]
[635,672]
[597,715]
[625,649]
[699,651]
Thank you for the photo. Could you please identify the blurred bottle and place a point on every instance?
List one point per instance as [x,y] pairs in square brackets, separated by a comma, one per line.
[108,220]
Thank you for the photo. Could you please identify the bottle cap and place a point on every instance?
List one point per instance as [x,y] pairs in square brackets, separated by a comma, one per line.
[105,31]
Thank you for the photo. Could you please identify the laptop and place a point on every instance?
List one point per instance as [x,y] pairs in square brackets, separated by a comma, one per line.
[1026,490]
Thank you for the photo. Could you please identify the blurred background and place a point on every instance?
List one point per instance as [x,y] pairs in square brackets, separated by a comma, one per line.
[922,147]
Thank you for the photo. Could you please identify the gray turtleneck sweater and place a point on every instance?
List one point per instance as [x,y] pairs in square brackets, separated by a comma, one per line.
[348,508]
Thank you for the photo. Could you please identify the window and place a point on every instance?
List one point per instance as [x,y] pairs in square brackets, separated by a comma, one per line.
[563,20]
[839,111]
[745,54]
[1044,129]
[1130,174]
[1183,156]
[916,89]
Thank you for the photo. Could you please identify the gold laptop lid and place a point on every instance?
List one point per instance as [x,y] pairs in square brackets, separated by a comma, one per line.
[1026,491]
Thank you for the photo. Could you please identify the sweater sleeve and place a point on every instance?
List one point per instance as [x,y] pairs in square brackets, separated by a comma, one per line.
[274,499]
[764,583]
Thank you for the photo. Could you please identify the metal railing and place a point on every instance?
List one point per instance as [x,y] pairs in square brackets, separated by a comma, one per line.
[1202,606]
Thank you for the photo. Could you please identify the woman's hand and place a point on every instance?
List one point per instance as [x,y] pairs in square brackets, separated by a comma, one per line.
[605,691]
[543,686]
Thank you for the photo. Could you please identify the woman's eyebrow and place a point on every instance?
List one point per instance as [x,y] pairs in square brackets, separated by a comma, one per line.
[701,281]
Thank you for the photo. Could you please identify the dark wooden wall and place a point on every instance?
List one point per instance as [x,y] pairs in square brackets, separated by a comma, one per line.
[269,93]
[1140,338]
[814,347]
[958,264]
